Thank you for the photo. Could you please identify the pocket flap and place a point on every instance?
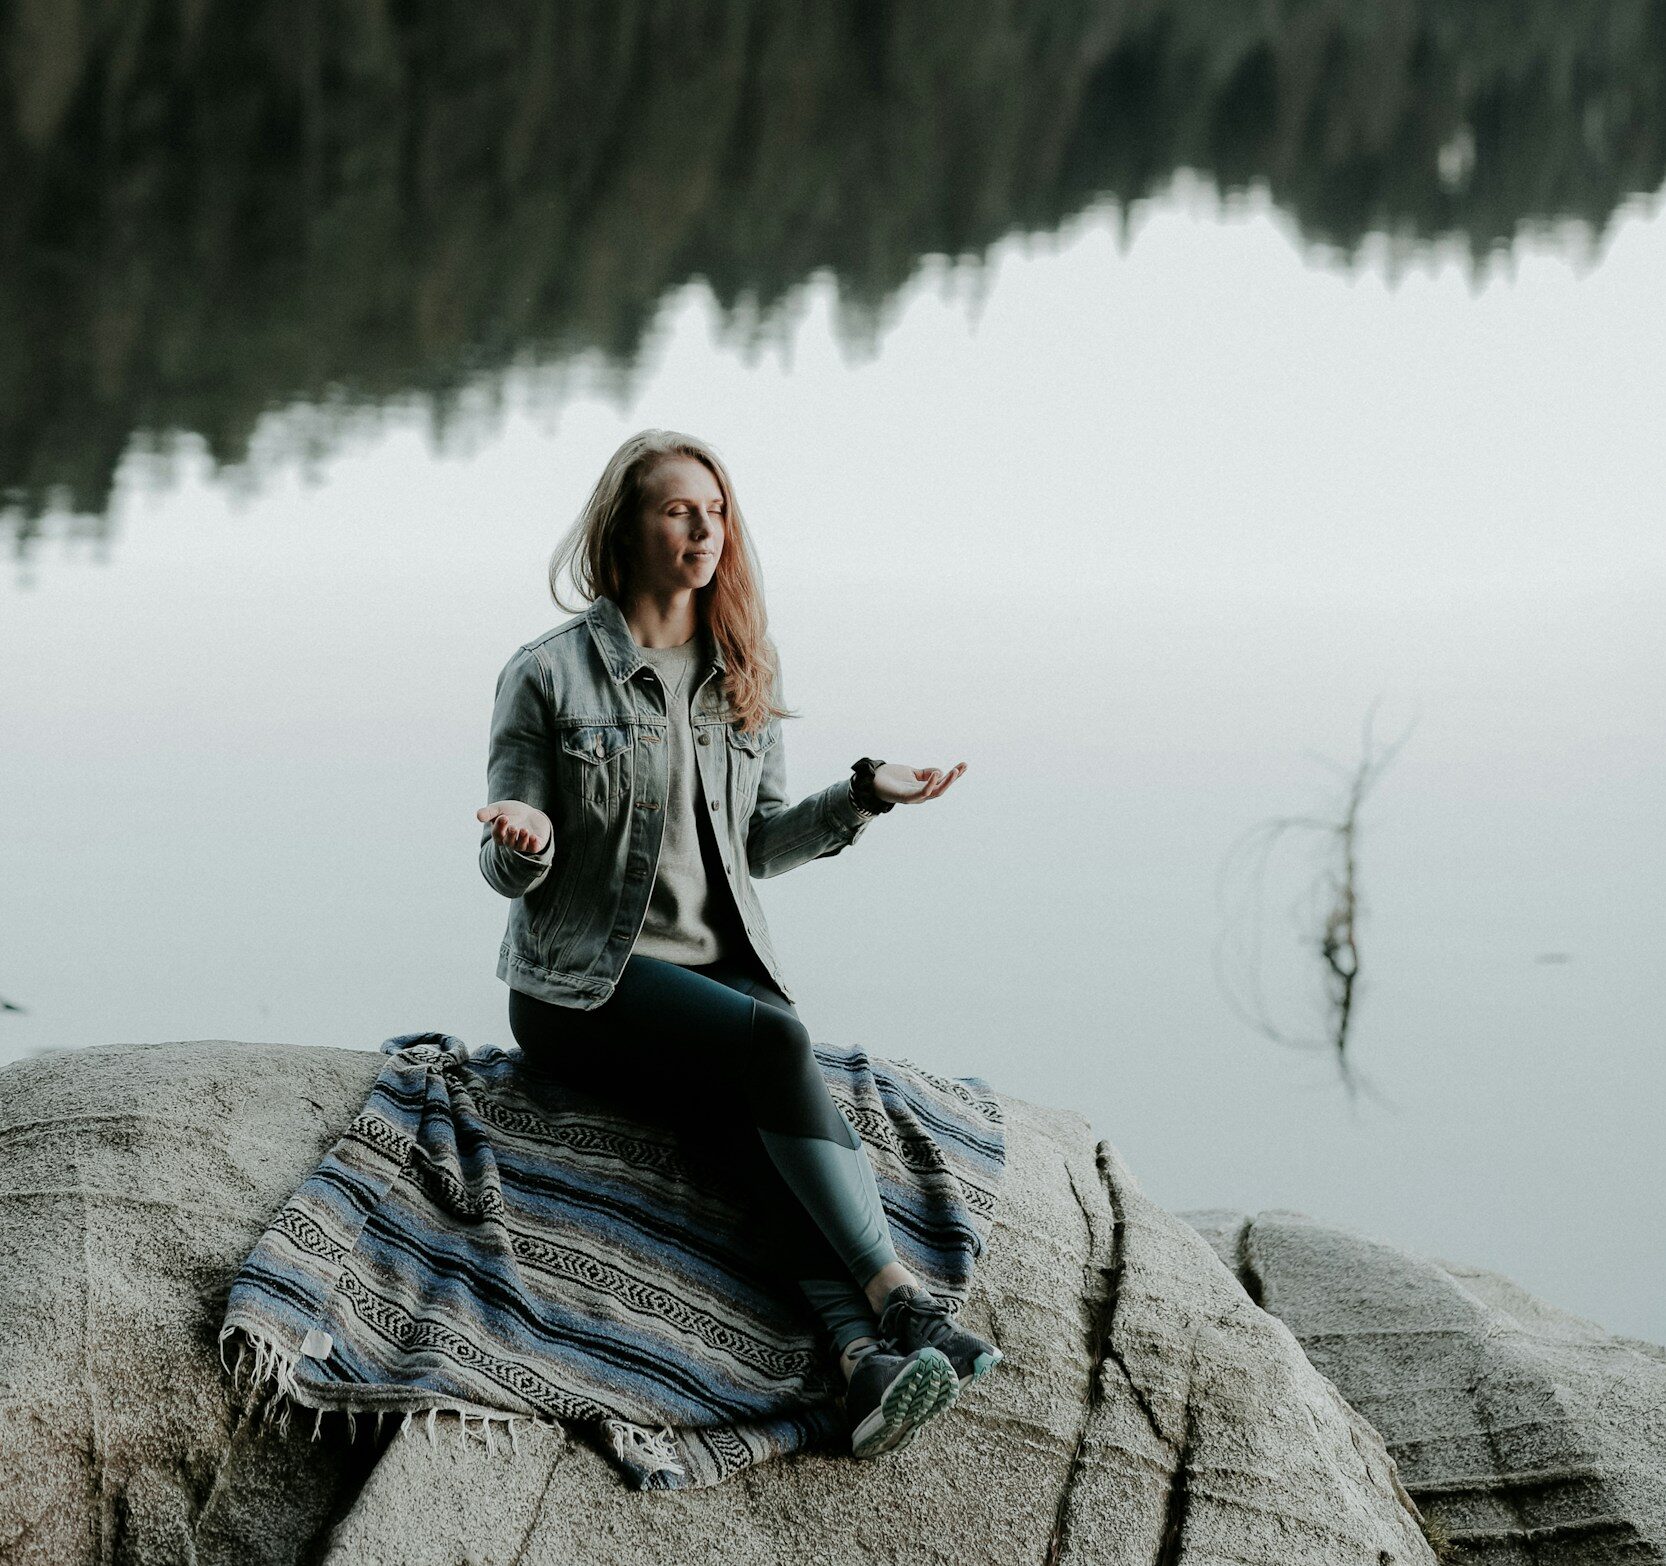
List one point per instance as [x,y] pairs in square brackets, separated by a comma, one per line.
[596,742]
[753,744]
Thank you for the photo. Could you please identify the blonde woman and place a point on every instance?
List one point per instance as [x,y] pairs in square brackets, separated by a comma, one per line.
[636,778]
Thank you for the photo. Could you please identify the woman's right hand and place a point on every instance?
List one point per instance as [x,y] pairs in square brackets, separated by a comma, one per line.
[517,825]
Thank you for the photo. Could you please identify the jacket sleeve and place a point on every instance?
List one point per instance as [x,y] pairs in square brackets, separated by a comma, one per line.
[518,767]
[780,836]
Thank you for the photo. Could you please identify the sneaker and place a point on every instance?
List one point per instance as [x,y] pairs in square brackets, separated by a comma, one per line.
[889,1396]
[913,1318]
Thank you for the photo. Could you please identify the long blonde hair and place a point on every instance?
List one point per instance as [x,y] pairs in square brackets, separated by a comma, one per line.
[596,551]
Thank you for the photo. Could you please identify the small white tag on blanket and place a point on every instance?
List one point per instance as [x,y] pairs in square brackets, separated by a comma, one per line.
[316,1344]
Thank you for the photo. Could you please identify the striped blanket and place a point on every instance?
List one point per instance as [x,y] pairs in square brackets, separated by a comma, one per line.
[489,1244]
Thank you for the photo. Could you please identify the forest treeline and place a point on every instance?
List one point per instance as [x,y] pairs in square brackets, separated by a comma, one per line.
[213,209]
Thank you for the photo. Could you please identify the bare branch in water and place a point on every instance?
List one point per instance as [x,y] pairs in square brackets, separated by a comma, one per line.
[1330,906]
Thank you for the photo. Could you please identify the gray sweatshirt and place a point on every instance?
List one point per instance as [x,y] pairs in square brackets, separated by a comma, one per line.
[690,918]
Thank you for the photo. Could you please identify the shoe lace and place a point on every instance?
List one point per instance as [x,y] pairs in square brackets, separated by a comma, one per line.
[931,1314]
[855,1356]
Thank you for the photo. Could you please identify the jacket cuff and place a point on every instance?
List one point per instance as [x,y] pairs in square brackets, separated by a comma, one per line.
[518,857]
[843,811]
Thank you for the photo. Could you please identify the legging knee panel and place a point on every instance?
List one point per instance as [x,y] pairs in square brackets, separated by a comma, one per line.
[783,1083]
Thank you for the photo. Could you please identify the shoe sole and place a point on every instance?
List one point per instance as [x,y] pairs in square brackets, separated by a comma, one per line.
[926,1387]
[981,1366]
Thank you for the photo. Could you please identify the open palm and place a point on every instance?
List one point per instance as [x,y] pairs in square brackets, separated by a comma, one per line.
[900,785]
[517,825]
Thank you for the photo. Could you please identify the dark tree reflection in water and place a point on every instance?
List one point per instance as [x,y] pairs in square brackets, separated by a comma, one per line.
[216,211]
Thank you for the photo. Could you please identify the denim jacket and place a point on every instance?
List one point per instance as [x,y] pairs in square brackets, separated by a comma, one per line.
[578,729]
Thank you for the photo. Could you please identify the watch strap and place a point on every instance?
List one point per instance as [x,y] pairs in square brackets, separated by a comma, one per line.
[862,789]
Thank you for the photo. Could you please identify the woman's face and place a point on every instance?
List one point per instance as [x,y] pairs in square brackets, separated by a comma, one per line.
[681,528]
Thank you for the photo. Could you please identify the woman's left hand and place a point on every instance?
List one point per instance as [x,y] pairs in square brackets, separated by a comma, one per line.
[902,785]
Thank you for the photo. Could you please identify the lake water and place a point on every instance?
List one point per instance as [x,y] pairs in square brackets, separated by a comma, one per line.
[1141,517]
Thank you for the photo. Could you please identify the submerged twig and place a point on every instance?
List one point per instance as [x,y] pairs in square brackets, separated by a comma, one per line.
[1331,904]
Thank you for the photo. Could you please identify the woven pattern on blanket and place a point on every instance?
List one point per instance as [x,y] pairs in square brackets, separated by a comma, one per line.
[488,1243]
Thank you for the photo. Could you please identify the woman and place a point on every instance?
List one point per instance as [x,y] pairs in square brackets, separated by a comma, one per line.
[637,779]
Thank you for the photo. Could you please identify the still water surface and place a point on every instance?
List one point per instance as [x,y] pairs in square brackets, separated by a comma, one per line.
[1139,522]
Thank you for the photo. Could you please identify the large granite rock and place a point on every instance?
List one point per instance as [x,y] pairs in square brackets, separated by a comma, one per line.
[1148,1409]
[1528,1436]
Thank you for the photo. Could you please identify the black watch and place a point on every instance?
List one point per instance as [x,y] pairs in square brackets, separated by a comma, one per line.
[861,785]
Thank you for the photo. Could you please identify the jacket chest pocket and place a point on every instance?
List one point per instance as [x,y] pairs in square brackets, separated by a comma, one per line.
[746,764]
[591,761]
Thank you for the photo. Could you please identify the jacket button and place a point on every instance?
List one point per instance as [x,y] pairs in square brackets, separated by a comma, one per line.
[601,745]
[712,803]
[705,739]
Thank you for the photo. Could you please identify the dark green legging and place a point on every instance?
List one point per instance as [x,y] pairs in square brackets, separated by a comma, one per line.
[720,1049]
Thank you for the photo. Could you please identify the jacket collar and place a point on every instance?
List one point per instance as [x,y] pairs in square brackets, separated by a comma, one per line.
[618,648]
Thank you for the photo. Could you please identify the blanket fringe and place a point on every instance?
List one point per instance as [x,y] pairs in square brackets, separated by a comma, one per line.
[272,1391]
[656,1447]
